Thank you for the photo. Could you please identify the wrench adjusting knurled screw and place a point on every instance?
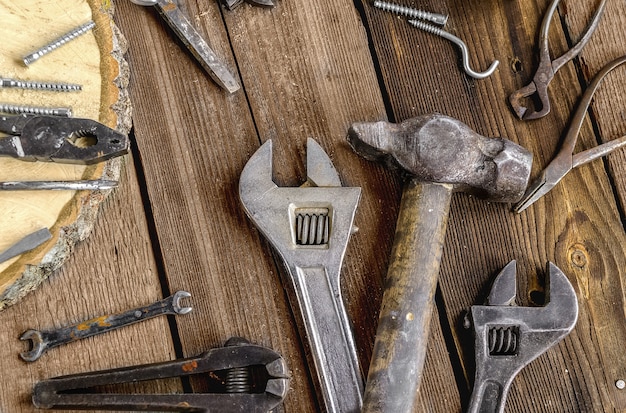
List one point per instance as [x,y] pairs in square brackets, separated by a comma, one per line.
[42,341]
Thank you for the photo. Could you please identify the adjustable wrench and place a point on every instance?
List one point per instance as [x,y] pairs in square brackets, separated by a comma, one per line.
[309,227]
[508,337]
[42,341]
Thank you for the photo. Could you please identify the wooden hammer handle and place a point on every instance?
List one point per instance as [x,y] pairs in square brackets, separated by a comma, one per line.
[400,346]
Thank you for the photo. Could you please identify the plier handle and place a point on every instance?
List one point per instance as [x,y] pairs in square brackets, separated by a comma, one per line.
[547,67]
[566,160]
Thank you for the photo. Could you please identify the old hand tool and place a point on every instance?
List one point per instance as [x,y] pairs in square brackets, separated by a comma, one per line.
[29,242]
[81,185]
[231,4]
[171,13]
[53,139]
[565,160]
[253,379]
[548,67]
[441,155]
[309,227]
[508,337]
[42,341]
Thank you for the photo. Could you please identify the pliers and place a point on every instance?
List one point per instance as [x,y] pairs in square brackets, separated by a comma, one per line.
[547,67]
[243,378]
[62,140]
[565,160]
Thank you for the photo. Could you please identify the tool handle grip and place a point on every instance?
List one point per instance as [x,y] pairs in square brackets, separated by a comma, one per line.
[105,323]
[405,315]
[330,339]
[488,397]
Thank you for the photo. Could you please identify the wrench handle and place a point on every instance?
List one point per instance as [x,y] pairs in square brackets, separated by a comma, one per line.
[330,339]
[488,397]
[105,323]
[404,322]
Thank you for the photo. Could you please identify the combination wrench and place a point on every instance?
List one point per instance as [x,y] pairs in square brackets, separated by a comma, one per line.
[42,341]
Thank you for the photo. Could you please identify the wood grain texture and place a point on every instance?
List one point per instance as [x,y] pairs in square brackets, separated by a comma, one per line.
[577,225]
[310,69]
[94,61]
[114,271]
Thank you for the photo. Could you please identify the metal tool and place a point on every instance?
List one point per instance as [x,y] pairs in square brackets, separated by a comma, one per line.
[565,160]
[81,185]
[38,85]
[440,155]
[53,45]
[462,47]
[168,9]
[13,109]
[231,4]
[28,243]
[508,337]
[42,341]
[412,13]
[309,227]
[547,67]
[53,139]
[247,379]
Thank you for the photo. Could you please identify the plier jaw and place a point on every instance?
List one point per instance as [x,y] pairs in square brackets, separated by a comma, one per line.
[61,140]
[547,67]
[539,95]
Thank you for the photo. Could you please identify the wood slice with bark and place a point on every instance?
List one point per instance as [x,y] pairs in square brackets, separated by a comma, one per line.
[93,60]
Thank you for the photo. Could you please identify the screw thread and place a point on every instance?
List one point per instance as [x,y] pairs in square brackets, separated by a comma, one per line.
[427,27]
[411,12]
[35,110]
[26,84]
[44,50]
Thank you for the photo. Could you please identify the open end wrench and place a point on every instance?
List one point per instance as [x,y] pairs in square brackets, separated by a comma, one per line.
[42,341]
[508,337]
[309,227]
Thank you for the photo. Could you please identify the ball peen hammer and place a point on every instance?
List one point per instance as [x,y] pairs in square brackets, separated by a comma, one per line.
[441,155]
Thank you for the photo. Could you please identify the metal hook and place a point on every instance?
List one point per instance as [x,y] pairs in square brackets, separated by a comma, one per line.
[464,51]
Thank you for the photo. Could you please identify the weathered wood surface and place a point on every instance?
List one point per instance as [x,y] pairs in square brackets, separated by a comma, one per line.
[309,69]
[94,61]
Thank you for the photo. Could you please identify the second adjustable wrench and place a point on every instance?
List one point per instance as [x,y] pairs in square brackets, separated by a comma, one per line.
[42,341]
[309,227]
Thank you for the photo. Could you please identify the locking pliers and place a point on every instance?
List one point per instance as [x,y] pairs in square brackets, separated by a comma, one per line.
[61,140]
[250,379]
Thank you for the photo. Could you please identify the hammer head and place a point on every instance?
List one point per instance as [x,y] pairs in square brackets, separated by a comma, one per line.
[440,149]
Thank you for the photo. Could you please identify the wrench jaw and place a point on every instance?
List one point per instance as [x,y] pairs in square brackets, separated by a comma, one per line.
[309,227]
[508,337]
[36,344]
[178,309]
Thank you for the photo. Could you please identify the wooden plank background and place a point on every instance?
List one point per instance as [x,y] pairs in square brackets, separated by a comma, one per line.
[310,69]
